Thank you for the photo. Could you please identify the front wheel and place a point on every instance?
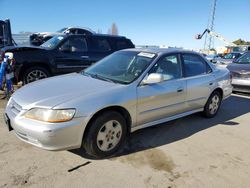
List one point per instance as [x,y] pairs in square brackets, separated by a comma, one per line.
[213,104]
[35,73]
[106,134]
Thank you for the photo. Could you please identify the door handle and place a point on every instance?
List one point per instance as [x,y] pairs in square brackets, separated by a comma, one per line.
[180,90]
[85,57]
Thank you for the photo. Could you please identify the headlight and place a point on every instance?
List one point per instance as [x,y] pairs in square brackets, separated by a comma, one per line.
[49,115]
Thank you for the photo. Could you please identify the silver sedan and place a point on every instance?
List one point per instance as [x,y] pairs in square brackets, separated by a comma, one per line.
[126,91]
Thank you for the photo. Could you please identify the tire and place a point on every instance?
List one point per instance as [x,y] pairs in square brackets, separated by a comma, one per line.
[35,73]
[105,135]
[213,104]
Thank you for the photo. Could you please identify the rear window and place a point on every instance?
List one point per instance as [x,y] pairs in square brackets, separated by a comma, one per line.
[195,65]
[122,44]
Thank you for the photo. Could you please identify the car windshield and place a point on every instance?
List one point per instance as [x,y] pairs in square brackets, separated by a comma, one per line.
[121,67]
[244,59]
[53,42]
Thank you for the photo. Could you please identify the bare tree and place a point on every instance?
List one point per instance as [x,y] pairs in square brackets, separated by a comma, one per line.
[114,29]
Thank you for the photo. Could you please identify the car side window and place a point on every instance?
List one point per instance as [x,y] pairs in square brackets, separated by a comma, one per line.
[169,66]
[121,44]
[76,44]
[194,65]
[100,45]
[245,58]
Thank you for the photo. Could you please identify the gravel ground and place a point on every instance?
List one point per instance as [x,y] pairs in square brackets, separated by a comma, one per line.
[189,152]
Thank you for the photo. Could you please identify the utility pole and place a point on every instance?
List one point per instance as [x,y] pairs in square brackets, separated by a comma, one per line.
[209,40]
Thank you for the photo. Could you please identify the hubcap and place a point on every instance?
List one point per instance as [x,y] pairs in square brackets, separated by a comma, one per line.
[109,135]
[214,104]
[36,75]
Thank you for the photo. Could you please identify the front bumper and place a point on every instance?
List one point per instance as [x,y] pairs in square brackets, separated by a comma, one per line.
[241,85]
[49,136]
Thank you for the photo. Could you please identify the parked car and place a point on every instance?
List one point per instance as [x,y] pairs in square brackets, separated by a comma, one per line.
[126,91]
[37,39]
[63,54]
[212,57]
[240,71]
[228,58]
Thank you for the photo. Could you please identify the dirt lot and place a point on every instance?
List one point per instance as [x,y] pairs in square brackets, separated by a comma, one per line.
[189,152]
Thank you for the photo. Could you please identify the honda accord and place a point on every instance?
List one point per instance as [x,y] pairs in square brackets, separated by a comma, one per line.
[126,91]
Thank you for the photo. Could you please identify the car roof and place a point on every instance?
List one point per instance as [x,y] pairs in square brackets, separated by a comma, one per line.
[97,35]
[161,50]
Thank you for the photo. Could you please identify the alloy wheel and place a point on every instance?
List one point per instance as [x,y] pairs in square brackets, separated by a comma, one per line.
[36,75]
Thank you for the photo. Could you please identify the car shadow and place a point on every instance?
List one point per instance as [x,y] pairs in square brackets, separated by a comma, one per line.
[182,128]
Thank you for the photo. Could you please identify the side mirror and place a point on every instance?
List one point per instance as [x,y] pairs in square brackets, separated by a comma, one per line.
[153,78]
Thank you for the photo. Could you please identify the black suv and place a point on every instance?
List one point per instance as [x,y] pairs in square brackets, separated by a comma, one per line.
[63,54]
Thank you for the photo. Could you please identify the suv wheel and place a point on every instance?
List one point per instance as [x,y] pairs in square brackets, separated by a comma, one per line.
[35,73]
[106,134]
[213,104]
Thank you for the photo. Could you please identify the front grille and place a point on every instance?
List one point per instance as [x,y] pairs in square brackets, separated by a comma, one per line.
[241,88]
[240,75]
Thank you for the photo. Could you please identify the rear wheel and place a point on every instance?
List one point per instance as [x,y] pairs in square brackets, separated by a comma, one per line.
[106,134]
[35,73]
[213,104]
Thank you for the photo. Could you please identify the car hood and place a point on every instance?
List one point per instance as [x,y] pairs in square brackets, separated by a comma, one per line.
[22,48]
[51,92]
[234,67]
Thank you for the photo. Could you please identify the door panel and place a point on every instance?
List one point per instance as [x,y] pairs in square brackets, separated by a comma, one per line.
[165,99]
[200,80]
[198,90]
[161,100]
[72,56]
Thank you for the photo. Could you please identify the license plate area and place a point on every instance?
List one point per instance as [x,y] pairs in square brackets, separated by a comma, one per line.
[7,122]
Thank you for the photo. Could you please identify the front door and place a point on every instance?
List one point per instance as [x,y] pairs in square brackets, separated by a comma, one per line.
[72,55]
[165,99]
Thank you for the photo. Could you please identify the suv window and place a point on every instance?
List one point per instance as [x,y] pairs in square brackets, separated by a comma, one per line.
[195,65]
[169,66]
[244,59]
[75,44]
[100,44]
[121,44]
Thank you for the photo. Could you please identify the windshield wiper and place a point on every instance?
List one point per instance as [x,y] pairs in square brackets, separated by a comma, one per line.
[102,78]
[98,77]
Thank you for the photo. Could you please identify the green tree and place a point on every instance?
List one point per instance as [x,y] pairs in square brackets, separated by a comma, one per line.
[241,42]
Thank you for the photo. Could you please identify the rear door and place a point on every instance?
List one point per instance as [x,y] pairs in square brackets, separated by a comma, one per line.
[200,80]
[72,55]
[99,47]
